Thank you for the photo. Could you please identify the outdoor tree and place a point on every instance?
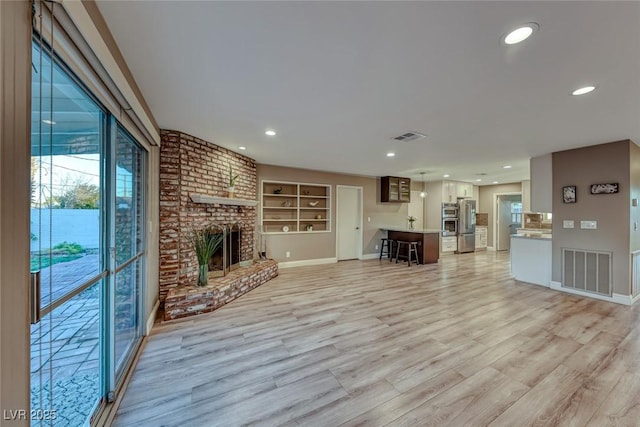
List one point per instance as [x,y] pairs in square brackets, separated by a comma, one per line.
[77,195]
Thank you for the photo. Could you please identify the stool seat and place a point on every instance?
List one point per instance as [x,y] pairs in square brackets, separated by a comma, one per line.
[412,249]
[386,248]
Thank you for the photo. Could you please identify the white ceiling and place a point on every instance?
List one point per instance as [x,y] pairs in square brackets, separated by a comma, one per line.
[338,80]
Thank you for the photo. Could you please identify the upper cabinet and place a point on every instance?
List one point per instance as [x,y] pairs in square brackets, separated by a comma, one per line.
[452,190]
[395,189]
[464,189]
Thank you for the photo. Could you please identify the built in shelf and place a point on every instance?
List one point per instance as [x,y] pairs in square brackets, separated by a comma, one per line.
[203,198]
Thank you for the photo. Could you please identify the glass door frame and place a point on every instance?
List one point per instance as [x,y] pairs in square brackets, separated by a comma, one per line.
[117,378]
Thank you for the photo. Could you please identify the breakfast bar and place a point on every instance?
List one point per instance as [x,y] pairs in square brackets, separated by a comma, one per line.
[428,241]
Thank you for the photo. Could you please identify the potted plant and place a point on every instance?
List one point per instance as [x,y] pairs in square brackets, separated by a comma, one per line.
[205,243]
[232,182]
[411,219]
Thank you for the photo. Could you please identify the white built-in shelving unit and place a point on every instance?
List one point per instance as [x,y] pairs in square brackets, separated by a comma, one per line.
[294,207]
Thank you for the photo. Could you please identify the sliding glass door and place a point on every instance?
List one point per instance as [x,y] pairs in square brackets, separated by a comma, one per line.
[67,247]
[128,241]
[87,247]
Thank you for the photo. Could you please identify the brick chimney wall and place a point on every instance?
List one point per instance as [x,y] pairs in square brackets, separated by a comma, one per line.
[190,165]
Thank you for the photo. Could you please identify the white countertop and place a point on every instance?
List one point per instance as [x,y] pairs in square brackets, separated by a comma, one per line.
[545,236]
[412,230]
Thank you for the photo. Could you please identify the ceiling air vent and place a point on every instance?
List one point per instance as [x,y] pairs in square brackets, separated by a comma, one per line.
[409,136]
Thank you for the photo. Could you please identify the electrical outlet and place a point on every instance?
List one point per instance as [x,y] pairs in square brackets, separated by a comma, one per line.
[567,223]
[376,247]
[287,254]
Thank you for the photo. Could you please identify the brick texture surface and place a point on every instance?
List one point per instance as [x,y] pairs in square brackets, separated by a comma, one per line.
[191,300]
[190,165]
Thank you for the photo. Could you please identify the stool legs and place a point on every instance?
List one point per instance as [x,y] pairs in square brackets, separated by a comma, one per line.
[385,248]
[412,251]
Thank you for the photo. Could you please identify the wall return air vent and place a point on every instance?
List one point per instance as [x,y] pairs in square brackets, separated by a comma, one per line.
[410,136]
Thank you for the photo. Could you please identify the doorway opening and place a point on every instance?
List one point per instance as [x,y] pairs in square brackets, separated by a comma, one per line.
[507,219]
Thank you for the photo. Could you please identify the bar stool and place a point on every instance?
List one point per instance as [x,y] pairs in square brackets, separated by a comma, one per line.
[412,248]
[386,248]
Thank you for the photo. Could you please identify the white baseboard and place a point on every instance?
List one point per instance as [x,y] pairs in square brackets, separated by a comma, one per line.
[615,298]
[305,262]
[370,256]
[152,318]
[491,248]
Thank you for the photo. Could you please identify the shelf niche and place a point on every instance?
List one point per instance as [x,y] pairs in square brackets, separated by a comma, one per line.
[295,207]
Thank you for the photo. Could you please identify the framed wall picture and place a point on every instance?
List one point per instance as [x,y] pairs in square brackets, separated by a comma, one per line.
[569,194]
[604,188]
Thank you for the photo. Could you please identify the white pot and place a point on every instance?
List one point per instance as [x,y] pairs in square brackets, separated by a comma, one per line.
[230,191]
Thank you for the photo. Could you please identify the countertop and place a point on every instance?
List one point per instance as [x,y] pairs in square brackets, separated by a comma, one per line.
[545,236]
[412,230]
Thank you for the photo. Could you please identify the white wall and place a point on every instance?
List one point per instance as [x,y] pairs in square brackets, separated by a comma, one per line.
[80,226]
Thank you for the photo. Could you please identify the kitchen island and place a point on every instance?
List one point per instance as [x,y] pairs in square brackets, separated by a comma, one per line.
[531,258]
[428,241]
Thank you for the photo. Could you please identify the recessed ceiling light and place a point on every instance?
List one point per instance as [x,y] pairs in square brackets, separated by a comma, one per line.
[446,175]
[478,180]
[520,34]
[48,122]
[391,154]
[495,182]
[507,167]
[242,148]
[270,132]
[583,90]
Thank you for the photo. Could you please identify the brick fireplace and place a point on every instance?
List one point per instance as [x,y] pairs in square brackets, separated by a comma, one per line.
[189,165]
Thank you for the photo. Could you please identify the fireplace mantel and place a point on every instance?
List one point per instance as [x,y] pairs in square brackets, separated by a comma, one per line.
[203,198]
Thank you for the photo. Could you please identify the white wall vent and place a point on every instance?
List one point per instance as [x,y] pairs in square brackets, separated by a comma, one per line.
[410,136]
[588,271]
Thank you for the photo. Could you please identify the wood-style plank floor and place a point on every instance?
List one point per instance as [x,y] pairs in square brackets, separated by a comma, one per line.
[365,343]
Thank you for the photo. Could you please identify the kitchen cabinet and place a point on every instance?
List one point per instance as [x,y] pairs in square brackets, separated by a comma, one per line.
[292,207]
[449,192]
[464,189]
[481,238]
[394,189]
[449,244]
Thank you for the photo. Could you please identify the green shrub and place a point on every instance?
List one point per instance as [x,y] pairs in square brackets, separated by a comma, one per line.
[70,248]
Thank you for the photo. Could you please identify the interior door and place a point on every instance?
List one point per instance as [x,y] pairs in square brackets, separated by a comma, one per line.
[348,222]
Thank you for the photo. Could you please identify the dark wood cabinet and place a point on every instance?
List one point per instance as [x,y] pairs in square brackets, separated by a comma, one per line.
[428,244]
[395,189]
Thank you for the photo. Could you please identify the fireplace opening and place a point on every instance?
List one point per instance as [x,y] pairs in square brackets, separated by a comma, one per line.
[227,257]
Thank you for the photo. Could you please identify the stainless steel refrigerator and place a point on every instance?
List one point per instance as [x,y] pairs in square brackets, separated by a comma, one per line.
[466,226]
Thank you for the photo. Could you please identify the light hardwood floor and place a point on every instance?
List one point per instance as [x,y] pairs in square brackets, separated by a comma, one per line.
[459,343]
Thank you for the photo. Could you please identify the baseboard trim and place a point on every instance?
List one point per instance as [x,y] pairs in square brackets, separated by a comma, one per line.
[370,256]
[306,262]
[152,317]
[615,298]
[491,248]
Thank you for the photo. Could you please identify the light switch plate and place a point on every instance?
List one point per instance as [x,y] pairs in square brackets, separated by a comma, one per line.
[589,225]
[567,223]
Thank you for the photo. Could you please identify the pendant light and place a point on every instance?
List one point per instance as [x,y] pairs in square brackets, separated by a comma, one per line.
[422,193]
